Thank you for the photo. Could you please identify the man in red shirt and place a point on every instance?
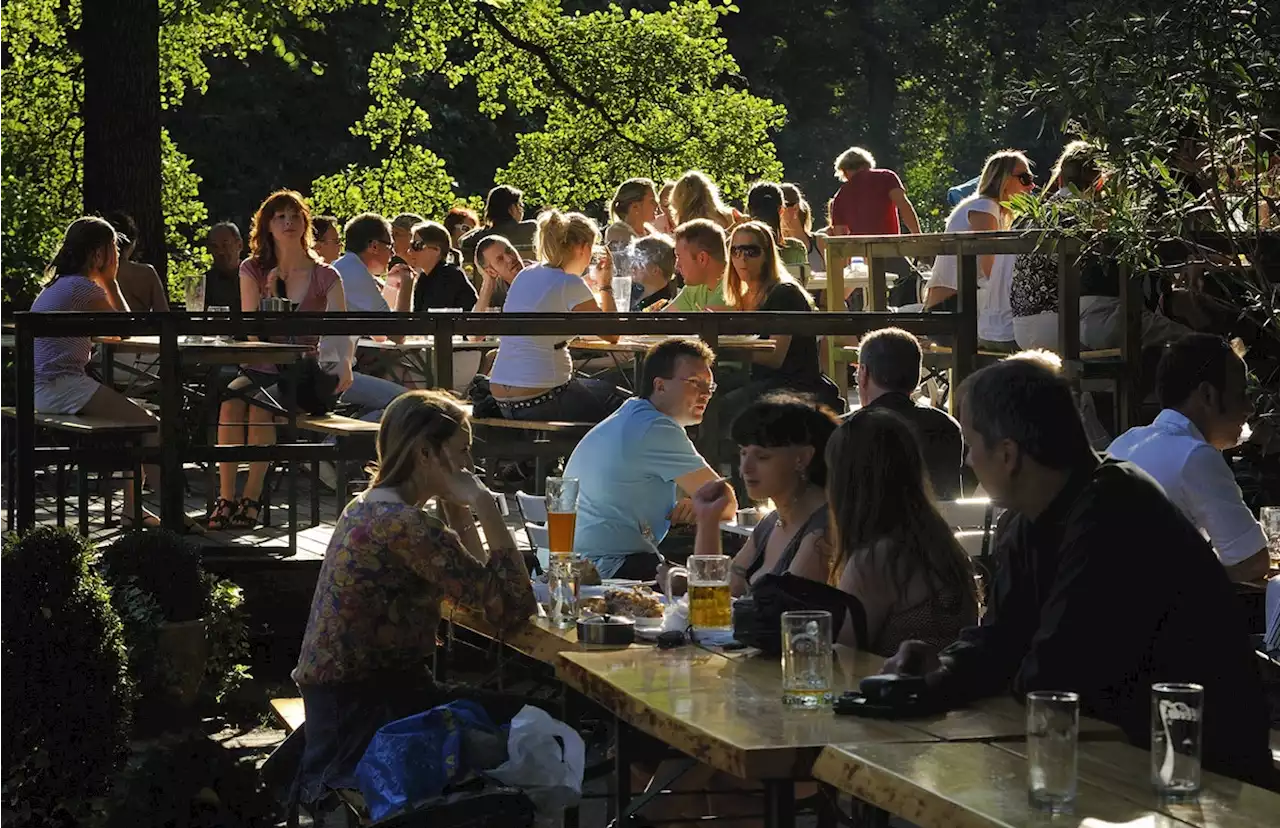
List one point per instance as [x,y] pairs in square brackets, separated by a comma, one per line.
[871,200]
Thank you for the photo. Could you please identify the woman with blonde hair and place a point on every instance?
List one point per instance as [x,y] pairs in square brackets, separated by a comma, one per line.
[696,196]
[282,263]
[633,209]
[758,281]
[371,632]
[1005,175]
[532,377]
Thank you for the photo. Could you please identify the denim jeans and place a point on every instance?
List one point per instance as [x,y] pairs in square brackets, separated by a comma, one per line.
[581,401]
[371,395]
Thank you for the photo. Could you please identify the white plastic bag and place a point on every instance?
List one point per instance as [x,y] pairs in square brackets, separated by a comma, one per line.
[549,774]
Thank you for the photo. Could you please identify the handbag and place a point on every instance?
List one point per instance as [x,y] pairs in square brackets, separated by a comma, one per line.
[757,618]
[316,391]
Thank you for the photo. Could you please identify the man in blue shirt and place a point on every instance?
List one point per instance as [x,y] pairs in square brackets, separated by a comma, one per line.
[629,466]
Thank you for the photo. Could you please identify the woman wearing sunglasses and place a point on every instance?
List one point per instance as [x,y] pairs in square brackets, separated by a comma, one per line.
[438,282]
[1005,175]
[758,281]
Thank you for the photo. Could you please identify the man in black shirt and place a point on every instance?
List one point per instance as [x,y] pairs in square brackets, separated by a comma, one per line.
[222,281]
[888,371]
[1103,587]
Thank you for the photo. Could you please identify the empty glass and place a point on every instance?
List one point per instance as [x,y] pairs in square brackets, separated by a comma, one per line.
[1053,727]
[562,583]
[1176,721]
[807,658]
[1270,517]
[622,293]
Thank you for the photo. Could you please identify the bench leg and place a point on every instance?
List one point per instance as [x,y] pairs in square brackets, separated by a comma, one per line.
[315,493]
[82,498]
[60,487]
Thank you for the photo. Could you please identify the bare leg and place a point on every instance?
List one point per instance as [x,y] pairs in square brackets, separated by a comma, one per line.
[262,432]
[231,432]
[111,404]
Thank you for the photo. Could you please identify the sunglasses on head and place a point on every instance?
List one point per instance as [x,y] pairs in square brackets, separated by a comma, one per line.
[1026,178]
[750,251]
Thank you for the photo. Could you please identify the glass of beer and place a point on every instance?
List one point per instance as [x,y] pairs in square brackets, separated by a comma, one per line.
[709,597]
[562,515]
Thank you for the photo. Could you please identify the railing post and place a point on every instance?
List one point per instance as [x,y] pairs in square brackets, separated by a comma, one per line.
[709,431]
[877,298]
[1130,349]
[169,487]
[966,343]
[25,468]
[1069,301]
[442,350]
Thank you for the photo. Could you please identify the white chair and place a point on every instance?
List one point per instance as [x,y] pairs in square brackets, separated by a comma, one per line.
[532,507]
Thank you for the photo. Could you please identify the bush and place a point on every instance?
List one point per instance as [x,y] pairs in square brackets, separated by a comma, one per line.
[164,566]
[67,694]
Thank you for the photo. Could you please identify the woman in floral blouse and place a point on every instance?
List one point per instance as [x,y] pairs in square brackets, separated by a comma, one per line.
[389,566]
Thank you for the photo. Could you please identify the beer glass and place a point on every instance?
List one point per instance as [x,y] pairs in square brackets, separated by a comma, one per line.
[622,293]
[1176,720]
[562,515]
[1053,727]
[807,658]
[1270,518]
[709,597]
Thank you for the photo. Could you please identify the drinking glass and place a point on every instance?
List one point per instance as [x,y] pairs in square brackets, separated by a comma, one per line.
[1053,725]
[562,583]
[562,515]
[195,294]
[807,658]
[1270,516]
[622,293]
[1176,719]
[710,600]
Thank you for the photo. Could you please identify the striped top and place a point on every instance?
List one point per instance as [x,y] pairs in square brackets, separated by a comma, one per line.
[66,355]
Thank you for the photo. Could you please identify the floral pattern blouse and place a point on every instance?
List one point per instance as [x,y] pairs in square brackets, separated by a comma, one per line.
[377,601]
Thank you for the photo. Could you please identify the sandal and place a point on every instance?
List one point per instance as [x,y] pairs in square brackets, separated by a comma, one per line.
[242,519]
[220,517]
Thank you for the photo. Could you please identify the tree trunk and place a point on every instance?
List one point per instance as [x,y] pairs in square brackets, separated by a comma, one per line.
[881,74]
[120,46]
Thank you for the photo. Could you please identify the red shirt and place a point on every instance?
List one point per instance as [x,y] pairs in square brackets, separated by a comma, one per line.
[863,204]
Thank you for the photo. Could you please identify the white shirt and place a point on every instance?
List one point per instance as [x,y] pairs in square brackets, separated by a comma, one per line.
[363,293]
[534,361]
[995,316]
[1197,479]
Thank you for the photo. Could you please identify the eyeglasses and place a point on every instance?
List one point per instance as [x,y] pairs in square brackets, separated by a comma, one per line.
[750,251]
[1027,179]
[418,244]
[703,386]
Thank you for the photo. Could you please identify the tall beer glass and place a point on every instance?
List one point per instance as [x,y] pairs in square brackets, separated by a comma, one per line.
[562,515]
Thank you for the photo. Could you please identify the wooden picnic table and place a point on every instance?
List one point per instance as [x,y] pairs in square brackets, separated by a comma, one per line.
[538,639]
[415,354]
[207,352]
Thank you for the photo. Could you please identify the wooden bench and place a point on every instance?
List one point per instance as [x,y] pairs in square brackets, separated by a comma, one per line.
[353,443]
[289,713]
[498,438]
[77,428]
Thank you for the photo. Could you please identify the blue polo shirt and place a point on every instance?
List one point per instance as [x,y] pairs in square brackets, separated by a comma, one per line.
[627,467]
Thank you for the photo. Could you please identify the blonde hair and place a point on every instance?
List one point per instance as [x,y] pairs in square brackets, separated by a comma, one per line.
[695,196]
[772,273]
[852,160]
[414,422]
[559,234]
[631,191]
[1076,167]
[997,169]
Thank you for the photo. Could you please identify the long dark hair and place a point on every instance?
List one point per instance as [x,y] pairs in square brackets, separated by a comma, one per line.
[85,238]
[877,490]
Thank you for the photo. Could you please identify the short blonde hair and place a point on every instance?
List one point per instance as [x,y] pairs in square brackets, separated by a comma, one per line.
[413,422]
[852,160]
[997,169]
[559,234]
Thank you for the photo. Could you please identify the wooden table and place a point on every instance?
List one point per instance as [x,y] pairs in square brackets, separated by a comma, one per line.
[637,346]
[211,353]
[538,639]
[967,785]
[415,353]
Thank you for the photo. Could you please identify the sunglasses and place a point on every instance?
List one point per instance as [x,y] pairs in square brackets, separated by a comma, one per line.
[750,251]
[1027,179]
[418,244]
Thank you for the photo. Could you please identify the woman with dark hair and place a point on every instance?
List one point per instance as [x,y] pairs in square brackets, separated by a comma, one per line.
[459,222]
[282,263]
[328,245]
[633,209]
[765,204]
[891,549]
[797,223]
[82,277]
[437,282]
[371,631]
[139,283]
[782,443]
[503,216]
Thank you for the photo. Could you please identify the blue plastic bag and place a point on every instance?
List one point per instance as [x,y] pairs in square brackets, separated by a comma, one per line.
[416,758]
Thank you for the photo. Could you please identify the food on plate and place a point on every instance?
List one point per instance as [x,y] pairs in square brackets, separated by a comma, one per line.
[588,575]
[637,602]
[593,606]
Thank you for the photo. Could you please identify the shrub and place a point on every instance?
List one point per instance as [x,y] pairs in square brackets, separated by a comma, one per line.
[67,694]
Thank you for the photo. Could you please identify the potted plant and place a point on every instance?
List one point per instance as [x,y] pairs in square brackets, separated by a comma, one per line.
[67,693]
[162,595]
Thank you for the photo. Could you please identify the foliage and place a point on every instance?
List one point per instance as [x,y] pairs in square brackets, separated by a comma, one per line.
[228,632]
[67,693]
[162,564]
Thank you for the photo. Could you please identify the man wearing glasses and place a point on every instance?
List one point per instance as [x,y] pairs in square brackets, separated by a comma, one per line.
[630,465]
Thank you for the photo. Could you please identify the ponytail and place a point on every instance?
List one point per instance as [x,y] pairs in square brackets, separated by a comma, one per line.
[85,238]
[559,234]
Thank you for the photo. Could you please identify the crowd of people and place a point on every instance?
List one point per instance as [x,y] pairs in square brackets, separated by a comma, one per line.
[1159,527]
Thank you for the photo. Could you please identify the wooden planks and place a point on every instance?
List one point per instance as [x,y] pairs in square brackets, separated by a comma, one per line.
[80,424]
[289,712]
[212,353]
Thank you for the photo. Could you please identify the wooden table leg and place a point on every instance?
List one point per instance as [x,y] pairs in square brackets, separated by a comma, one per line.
[779,803]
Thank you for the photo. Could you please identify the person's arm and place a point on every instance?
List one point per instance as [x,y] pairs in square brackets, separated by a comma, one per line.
[460,520]
[404,298]
[484,300]
[738,584]
[1217,506]
[980,221]
[115,299]
[812,561]
[336,300]
[863,578]
[691,482]
[784,297]
[906,210]
[709,504]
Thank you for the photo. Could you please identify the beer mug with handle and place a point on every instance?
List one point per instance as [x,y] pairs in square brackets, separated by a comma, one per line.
[710,605]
